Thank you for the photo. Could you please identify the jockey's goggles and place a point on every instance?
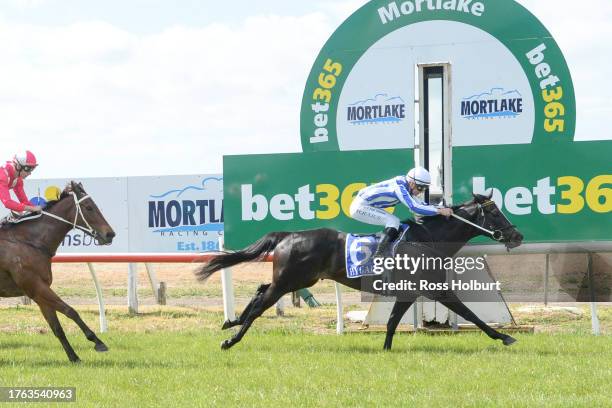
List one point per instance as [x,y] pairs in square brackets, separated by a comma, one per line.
[421,187]
[28,168]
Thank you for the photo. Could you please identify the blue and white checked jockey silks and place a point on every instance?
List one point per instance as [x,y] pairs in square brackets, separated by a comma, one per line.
[370,202]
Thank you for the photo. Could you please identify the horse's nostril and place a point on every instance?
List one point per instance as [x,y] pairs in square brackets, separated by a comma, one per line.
[110,235]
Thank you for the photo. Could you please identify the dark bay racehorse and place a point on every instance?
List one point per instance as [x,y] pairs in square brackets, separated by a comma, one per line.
[302,258]
[26,250]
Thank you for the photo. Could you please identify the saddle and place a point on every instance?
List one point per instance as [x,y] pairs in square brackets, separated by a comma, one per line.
[15,218]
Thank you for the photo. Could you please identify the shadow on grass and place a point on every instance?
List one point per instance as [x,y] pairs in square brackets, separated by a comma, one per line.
[401,346]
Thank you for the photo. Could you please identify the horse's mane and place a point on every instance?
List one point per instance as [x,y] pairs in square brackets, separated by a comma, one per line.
[51,203]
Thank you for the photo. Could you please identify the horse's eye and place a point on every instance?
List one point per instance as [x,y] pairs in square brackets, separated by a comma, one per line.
[89,208]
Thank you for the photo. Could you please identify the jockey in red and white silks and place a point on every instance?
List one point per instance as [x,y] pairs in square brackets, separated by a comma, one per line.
[368,206]
[12,175]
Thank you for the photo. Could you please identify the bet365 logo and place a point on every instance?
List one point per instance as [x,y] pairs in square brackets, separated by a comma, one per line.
[568,195]
[327,202]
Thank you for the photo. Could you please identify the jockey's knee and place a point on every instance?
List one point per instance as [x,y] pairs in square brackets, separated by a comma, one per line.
[393,223]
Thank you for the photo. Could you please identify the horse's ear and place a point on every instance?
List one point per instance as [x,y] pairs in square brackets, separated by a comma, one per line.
[479,198]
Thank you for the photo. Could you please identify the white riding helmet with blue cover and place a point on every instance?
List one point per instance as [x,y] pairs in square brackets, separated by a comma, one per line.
[420,176]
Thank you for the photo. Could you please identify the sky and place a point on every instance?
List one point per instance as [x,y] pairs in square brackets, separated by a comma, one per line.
[153,87]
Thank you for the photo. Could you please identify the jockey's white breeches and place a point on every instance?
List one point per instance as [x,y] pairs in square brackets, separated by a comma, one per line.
[361,211]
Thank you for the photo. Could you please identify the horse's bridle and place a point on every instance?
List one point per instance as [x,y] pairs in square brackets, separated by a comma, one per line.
[77,203]
[497,234]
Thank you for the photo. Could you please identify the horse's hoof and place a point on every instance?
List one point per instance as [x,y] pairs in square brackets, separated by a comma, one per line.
[75,359]
[226,344]
[226,325]
[101,347]
[509,340]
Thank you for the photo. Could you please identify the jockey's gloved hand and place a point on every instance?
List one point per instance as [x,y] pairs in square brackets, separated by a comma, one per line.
[33,208]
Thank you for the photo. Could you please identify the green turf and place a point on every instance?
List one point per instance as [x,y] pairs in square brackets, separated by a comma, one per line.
[171,358]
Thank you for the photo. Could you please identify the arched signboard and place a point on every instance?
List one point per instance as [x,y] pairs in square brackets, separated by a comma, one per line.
[496,81]
[478,91]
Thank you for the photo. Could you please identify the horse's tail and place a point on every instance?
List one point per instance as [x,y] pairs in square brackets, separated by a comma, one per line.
[256,251]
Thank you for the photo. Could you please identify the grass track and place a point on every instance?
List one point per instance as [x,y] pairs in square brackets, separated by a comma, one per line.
[282,362]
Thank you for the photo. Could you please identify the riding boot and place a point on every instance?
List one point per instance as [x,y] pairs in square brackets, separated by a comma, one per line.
[389,235]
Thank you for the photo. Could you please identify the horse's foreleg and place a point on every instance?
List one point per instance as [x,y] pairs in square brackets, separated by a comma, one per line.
[462,310]
[237,322]
[260,304]
[399,310]
[51,317]
[48,296]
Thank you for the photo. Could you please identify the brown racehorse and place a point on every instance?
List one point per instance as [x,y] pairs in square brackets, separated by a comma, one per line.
[305,257]
[26,250]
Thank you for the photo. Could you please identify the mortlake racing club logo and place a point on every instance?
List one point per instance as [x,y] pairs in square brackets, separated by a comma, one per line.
[188,212]
[381,109]
[495,104]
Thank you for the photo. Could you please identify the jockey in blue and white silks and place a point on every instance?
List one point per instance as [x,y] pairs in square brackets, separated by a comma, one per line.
[368,206]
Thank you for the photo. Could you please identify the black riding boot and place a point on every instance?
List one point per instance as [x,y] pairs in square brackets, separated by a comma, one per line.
[389,235]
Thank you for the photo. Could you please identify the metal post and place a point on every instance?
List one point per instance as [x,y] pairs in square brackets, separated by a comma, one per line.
[417,313]
[454,321]
[132,288]
[339,312]
[161,294]
[152,280]
[280,307]
[546,274]
[101,308]
[594,317]
[227,286]
[295,299]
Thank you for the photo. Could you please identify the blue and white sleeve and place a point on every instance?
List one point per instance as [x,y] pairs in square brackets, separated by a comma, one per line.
[404,196]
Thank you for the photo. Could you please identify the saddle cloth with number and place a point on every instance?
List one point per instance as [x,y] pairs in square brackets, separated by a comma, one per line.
[359,250]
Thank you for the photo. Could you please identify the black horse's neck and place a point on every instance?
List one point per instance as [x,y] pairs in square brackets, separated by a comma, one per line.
[445,235]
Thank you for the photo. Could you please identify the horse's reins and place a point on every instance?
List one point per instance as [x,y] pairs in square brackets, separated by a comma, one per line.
[497,235]
[77,204]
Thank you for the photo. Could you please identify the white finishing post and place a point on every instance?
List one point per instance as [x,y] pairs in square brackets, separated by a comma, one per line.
[103,322]
[594,317]
[227,286]
[153,280]
[339,313]
[132,288]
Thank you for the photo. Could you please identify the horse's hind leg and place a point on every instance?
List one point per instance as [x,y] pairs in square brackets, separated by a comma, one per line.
[51,317]
[259,305]
[399,310]
[48,297]
[237,322]
[462,310]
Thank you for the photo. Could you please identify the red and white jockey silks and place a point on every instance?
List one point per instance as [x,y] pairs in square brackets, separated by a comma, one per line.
[9,181]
